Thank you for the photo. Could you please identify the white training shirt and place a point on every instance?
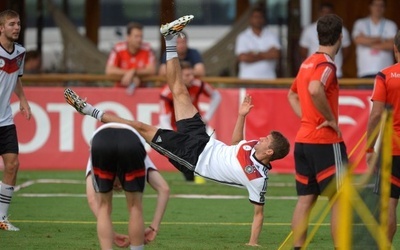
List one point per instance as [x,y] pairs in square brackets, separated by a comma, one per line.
[11,67]
[309,40]
[147,161]
[371,61]
[234,165]
[246,42]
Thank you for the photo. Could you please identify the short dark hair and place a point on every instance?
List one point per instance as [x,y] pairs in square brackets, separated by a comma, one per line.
[133,25]
[280,145]
[329,28]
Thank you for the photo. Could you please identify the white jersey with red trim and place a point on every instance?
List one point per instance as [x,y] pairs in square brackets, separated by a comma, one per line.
[147,161]
[11,67]
[234,165]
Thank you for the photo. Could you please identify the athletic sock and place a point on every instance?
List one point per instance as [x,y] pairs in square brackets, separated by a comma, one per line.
[141,247]
[170,46]
[92,111]
[6,193]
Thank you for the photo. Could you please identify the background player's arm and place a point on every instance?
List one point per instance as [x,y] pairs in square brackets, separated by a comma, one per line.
[158,183]
[244,109]
[294,101]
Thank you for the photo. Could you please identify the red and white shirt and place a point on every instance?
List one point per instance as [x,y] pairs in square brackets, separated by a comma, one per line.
[235,165]
[11,67]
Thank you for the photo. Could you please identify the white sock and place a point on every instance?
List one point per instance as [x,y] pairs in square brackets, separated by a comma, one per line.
[92,111]
[170,46]
[6,193]
[141,247]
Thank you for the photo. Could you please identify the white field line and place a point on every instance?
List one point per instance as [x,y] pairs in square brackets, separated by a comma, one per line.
[183,196]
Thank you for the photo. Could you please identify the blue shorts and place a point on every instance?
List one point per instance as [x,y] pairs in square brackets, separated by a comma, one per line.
[182,147]
[8,140]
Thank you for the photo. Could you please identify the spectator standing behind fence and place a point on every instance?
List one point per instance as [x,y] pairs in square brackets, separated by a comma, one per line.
[309,40]
[185,53]
[257,49]
[196,88]
[373,36]
[131,59]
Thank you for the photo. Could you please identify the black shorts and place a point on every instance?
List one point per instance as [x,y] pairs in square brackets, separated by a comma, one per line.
[182,147]
[118,152]
[8,140]
[394,179]
[318,165]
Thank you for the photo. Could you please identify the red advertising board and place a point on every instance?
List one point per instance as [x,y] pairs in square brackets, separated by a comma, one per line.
[57,136]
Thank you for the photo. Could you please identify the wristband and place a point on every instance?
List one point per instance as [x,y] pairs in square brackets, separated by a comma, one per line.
[370,150]
[152,229]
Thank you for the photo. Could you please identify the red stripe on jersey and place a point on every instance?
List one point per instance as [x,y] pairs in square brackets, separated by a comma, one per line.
[302,179]
[395,181]
[247,165]
[326,173]
[135,174]
[103,174]
[12,65]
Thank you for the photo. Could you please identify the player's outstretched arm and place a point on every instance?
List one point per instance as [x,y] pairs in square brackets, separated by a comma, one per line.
[257,225]
[244,109]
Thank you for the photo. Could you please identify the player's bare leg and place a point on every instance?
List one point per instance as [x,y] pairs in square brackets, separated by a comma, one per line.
[145,130]
[182,102]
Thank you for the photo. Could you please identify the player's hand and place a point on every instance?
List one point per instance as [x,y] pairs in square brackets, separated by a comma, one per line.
[121,240]
[149,235]
[25,109]
[333,125]
[246,106]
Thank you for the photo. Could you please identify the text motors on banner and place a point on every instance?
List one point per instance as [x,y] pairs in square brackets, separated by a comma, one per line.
[57,137]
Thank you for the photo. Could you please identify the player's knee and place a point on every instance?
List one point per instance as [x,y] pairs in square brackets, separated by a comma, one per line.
[11,167]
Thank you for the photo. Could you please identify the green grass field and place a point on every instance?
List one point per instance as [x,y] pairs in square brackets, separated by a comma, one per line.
[56,215]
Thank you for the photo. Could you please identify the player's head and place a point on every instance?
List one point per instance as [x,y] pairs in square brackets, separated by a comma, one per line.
[329,29]
[274,146]
[134,32]
[280,145]
[187,73]
[10,25]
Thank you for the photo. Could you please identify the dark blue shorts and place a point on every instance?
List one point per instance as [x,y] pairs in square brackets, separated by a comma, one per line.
[118,152]
[182,147]
[8,140]
[318,167]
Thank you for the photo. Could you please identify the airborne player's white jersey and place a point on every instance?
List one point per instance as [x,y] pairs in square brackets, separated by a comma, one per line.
[147,161]
[11,67]
[234,165]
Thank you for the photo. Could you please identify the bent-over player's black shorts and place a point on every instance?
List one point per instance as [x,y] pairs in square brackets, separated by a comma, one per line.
[182,147]
[8,140]
[318,167]
[118,152]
